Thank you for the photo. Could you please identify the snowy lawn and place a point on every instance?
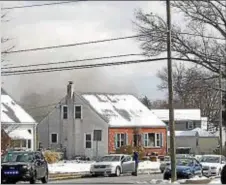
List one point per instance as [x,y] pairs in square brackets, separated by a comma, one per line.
[80,167]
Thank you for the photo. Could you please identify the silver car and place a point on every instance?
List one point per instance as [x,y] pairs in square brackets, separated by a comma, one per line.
[114,164]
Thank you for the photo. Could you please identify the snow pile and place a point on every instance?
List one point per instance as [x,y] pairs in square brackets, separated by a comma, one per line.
[203,133]
[19,133]
[149,165]
[122,110]
[69,167]
[215,181]
[82,167]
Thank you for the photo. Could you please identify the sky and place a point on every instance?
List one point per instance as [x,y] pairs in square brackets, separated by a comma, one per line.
[79,22]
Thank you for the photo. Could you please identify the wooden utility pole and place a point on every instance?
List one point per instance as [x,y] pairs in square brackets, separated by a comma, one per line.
[220,109]
[170,89]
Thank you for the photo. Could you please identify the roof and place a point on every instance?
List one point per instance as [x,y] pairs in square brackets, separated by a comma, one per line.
[184,133]
[203,133]
[179,114]
[122,110]
[11,112]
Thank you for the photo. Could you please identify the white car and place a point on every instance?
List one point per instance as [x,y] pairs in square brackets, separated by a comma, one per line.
[212,164]
[114,164]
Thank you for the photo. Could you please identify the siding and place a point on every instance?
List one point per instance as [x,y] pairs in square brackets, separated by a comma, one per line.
[130,131]
[181,125]
[73,137]
[208,144]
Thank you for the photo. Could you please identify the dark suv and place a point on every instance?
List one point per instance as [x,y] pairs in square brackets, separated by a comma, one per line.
[23,166]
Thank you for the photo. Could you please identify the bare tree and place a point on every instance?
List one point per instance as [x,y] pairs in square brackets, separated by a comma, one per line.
[193,88]
[190,43]
[145,100]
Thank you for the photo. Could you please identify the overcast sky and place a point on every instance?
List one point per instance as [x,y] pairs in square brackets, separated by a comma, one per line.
[78,22]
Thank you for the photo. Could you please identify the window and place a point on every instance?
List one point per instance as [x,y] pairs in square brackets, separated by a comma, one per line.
[97,135]
[120,140]
[88,142]
[23,143]
[29,130]
[54,138]
[78,112]
[190,125]
[127,159]
[153,140]
[136,139]
[65,112]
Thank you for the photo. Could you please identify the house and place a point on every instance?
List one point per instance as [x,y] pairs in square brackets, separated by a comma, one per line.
[17,123]
[95,124]
[185,119]
[196,141]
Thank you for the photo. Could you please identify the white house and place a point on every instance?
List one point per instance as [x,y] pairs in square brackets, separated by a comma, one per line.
[17,123]
[185,119]
[196,141]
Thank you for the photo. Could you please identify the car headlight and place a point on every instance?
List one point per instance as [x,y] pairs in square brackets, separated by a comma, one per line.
[26,167]
[213,168]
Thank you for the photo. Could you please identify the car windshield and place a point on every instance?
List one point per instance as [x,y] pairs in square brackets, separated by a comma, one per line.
[110,158]
[184,162]
[17,157]
[167,158]
[210,159]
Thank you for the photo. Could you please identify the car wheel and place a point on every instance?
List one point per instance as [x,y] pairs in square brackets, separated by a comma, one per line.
[117,172]
[33,179]
[45,179]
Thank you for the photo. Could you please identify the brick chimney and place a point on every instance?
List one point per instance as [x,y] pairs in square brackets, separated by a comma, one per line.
[70,89]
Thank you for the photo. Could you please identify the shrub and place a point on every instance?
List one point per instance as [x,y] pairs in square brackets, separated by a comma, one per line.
[129,150]
[51,157]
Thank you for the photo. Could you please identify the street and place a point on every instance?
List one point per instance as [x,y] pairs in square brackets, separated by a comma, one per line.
[145,178]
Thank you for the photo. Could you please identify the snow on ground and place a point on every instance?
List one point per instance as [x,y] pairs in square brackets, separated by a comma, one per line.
[77,167]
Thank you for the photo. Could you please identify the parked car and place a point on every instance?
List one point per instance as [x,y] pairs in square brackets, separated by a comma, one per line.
[186,168]
[212,164]
[114,164]
[23,166]
[164,163]
[223,175]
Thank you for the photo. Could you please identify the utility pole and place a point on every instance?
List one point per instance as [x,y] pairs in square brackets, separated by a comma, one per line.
[170,89]
[220,109]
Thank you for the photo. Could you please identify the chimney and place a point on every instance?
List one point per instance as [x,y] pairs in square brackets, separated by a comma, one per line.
[70,89]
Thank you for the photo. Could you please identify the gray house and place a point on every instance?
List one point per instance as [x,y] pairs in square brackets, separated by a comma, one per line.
[185,119]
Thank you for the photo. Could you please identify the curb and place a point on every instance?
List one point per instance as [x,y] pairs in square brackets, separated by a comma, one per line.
[65,176]
[202,181]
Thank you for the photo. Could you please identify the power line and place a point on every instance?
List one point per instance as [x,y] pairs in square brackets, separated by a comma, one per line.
[86,66]
[73,61]
[97,41]
[29,71]
[38,5]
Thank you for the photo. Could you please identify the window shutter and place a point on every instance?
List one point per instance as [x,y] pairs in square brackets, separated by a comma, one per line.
[194,124]
[186,125]
[115,139]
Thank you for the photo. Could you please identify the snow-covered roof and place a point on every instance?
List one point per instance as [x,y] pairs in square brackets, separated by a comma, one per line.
[203,133]
[20,134]
[11,112]
[184,133]
[122,110]
[179,114]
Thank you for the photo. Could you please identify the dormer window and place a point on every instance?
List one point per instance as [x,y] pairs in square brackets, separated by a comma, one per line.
[78,112]
[64,111]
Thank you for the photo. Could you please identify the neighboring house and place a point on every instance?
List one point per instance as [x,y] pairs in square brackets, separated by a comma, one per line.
[185,119]
[114,120]
[17,123]
[196,141]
